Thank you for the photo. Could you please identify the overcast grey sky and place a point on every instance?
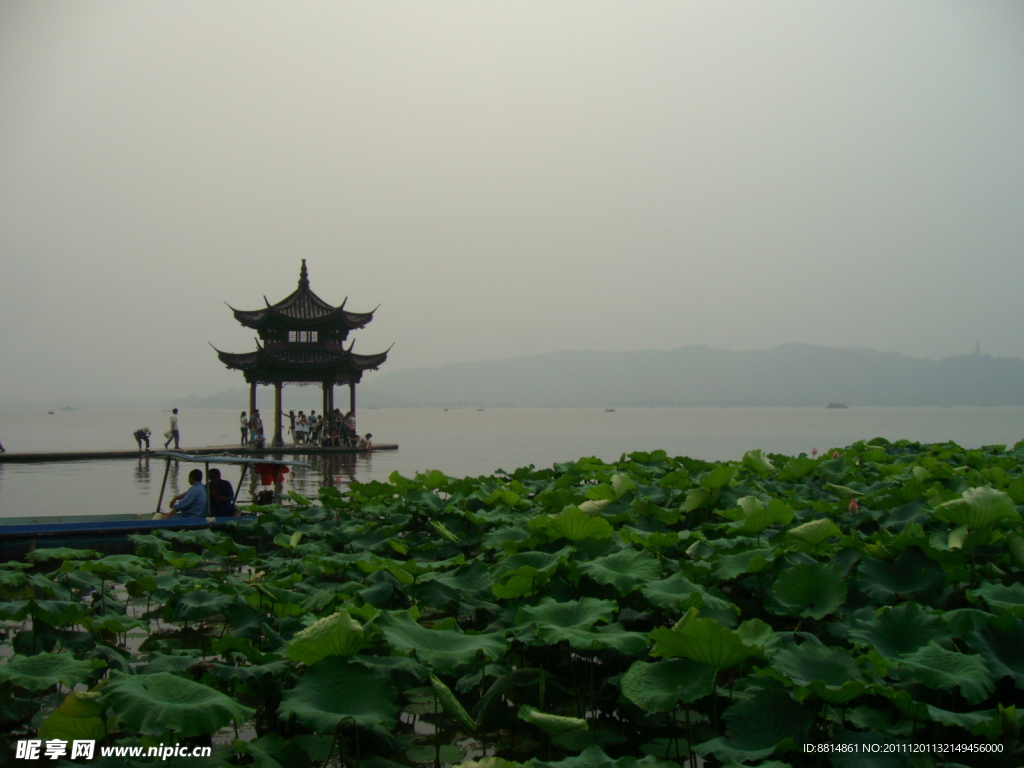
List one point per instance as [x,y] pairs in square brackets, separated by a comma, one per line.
[504,179]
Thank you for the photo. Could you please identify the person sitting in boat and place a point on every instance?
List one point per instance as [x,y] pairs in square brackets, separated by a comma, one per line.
[141,435]
[222,496]
[191,503]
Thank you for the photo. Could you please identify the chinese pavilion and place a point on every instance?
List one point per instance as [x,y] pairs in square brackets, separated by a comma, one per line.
[302,343]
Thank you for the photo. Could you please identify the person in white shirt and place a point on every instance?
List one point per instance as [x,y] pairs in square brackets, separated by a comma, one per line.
[173,432]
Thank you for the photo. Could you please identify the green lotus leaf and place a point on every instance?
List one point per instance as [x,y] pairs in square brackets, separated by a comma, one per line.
[335,635]
[15,611]
[999,642]
[842,491]
[154,704]
[573,524]
[810,589]
[759,726]
[814,533]
[609,637]
[937,668]
[829,673]
[553,725]
[201,603]
[1015,546]
[696,499]
[912,574]
[797,468]
[624,570]
[899,630]
[335,689]
[757,632]
[978,508]
[45,670]
[80,716]
[61,553]
[719,476]
[442,649]
[523,582]
[451,704]
[1006,598]
[489,762]
[660,686]
[725,567]
[576,614]
[679,593]
[703,640]
[57,613]
[274,751]
[757,462]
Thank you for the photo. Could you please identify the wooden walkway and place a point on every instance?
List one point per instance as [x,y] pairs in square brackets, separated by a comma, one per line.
[234,450]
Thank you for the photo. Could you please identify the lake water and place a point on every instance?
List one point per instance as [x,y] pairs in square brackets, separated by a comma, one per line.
[458,442]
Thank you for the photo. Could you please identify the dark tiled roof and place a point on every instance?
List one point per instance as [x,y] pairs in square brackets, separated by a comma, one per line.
[316,359]
[303,308]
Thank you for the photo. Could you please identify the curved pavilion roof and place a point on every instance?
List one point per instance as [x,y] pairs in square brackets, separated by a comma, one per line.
[303,309]
[305,364]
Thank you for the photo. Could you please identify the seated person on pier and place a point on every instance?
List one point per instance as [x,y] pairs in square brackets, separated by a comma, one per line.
[365,443]
[191,503]
[222,496]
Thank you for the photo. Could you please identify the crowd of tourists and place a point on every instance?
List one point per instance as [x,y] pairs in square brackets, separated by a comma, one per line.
[331,429]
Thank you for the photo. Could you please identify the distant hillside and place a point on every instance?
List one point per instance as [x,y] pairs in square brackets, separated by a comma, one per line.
[788,375]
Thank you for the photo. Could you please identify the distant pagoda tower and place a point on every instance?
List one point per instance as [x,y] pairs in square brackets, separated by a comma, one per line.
[302,343]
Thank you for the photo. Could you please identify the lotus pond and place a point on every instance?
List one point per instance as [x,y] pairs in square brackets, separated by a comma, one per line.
[656,611]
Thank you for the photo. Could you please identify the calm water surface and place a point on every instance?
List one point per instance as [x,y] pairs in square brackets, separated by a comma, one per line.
[458,442]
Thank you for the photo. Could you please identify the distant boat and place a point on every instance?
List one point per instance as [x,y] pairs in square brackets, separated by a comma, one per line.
[51,412]
[479,409]
[446,409]
[837,405]
[609,410]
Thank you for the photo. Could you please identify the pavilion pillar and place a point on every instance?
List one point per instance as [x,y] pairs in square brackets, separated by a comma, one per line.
[352,398]
[330,397]
[278,440]
[327,398]
[252,399]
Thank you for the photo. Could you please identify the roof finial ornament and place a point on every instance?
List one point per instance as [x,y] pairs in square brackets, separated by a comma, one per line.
[303,276]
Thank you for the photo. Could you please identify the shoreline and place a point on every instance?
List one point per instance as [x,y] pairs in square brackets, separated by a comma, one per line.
[215,450]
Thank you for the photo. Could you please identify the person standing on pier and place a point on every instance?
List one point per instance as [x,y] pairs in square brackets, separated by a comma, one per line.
[141,435]
[244,423]
[172,434]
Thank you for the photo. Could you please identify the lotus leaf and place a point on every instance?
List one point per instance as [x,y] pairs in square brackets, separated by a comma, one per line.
[45,670]
[810,589]
[1006,598]
[80,716]
[912,574]
[769,721]
[937,668]
[703,640]
[899,630]
[999,642]
[757,462]
[335,635]
[829,673]
[451,704]
[553,725]
[443,650]
[336,689]
[574,525]
[154,704]
[624,570]
[814,533]
[978,508]
[661,686]
[274,751]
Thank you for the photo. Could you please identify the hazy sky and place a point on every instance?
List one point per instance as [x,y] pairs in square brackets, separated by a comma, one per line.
[503,179]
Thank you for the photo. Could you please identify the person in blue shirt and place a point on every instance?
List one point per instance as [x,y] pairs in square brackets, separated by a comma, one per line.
[191,503]
[222,496]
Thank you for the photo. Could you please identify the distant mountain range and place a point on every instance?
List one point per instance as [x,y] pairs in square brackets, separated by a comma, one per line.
[788,375]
